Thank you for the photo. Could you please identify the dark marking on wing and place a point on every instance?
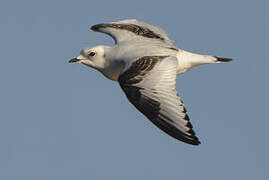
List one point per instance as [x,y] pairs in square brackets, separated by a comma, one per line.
[138,30]
[139,69]
[148,106]
[173,48]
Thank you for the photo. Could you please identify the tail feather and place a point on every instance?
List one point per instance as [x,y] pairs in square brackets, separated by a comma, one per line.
[221,59]
[188,60]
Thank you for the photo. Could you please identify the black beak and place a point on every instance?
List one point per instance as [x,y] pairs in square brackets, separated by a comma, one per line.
[74,60]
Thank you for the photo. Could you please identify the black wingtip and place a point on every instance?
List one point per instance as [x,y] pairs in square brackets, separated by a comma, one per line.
[95,27]
[221,59]
[196,143]
[194,139]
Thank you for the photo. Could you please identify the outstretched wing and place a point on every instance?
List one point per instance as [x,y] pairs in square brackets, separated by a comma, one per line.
[131,29]
[149,84]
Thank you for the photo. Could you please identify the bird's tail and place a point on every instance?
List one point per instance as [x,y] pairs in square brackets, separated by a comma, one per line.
[188,60]
[221,59]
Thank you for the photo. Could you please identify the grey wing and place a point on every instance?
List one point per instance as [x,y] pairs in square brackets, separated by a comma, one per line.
[149,84]
[132,29]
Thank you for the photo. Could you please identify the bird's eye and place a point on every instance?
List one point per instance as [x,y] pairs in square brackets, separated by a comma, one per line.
[92,54]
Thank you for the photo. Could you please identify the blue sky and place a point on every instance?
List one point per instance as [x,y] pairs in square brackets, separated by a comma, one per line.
[62,121]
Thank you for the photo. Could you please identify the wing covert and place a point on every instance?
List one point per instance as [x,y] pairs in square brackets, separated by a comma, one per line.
[149,85]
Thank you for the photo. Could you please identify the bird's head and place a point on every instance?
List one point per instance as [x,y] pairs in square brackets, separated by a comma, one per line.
[93,57]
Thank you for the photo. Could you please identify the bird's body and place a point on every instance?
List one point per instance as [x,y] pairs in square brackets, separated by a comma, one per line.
[127,54]
[146,63]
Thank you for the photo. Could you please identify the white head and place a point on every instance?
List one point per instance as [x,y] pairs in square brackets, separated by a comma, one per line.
[93,57]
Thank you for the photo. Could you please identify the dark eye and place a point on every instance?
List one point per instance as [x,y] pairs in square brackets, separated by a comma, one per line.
[92,54]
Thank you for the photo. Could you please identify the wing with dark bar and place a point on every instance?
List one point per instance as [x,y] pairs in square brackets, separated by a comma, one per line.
[149,84]
[131,29]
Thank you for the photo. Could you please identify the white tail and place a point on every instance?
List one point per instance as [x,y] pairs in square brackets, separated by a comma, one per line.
[188,60]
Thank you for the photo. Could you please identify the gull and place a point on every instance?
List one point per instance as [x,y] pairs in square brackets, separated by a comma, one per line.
[145,63]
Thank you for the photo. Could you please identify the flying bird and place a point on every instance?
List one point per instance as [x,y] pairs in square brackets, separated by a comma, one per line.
[145,63]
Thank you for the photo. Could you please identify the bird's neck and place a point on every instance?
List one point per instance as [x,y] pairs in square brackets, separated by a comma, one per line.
[113,69]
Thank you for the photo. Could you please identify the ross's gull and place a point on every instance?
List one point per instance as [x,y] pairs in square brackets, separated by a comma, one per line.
[146,63]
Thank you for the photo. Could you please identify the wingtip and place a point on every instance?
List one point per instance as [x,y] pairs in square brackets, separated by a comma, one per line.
[194,139]
[196,142]
[190,139]
[95,27]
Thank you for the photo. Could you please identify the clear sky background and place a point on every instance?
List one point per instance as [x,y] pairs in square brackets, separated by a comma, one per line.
[63,122]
